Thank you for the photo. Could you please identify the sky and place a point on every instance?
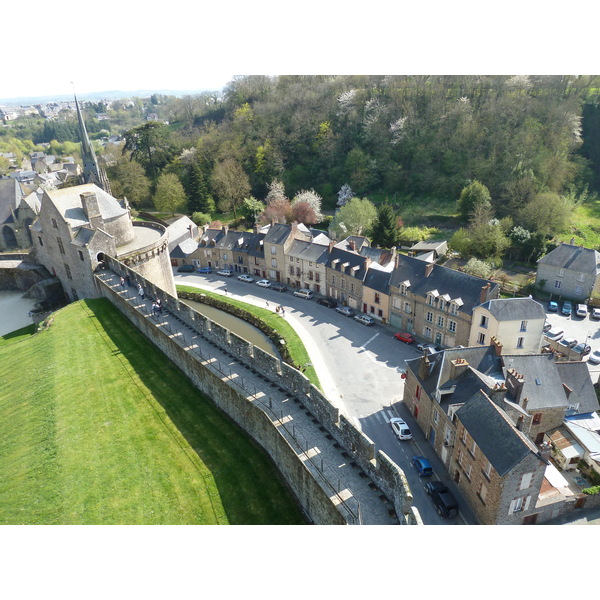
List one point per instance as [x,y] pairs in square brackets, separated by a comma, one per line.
[129,45]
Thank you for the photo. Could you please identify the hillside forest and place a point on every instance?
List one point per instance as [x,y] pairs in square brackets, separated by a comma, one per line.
[505,164]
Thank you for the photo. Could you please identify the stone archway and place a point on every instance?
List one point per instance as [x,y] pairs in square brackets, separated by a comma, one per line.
[10,239]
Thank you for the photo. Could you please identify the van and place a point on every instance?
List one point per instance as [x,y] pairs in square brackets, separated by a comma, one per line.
[306,294]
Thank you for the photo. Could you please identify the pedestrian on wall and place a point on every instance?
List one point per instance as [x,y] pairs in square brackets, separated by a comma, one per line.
[226,290]
[282,311]
[159,306]
[128,281]
[140,291]
[277,309]
[122,282]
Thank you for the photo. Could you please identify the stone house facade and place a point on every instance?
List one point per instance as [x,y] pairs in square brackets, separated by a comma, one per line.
[305,265]
[277,242]
[345,273]
[376,294]
[435,302]
[517,323]
[569,272]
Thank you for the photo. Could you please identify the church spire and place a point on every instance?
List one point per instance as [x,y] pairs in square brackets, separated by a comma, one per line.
[92,172]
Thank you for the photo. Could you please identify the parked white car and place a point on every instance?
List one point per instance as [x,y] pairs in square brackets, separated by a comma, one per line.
[263,283]
[581,310]
[364,319]
[400,429]
[246,278]
[594,357]
[225,273]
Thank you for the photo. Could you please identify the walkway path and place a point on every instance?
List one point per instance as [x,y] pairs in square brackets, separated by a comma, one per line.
[324,457]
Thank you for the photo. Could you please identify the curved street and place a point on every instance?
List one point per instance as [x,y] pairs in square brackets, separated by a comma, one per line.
[359,369]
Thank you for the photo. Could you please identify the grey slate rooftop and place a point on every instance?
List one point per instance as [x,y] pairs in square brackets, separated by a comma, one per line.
[575,258]
[515,309]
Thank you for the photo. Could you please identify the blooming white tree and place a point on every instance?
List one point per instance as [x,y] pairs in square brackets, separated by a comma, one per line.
[344,195]
[312,199]
[276,191]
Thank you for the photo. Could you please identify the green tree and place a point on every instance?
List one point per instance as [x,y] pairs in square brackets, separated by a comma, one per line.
[548,213]
[169,196]
[201,218]
[251,208]
[128,180]
[385,229]
[231,184]
[471,196]
[200,197]
[461,242]
[354,218]
[151,145]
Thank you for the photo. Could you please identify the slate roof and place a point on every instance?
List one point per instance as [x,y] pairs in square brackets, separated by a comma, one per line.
[543,385]
[359,243]
[10,195]
[209,236]
[378,280]
[179,231]
[515,309]
[575,258]
[68,203]
[278,233]
[446,281]
[381,256]
[500,442]
[576,376]
[337,258]
[184,249]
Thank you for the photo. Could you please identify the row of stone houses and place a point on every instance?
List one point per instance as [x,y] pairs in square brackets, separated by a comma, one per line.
[428,300]
[491,419]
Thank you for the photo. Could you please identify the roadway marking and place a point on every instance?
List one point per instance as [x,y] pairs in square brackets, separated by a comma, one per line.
[369,341]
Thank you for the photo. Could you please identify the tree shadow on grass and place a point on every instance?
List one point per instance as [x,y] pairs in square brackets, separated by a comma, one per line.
[251,489]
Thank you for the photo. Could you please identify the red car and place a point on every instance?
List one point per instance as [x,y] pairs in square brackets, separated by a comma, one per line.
[407,338]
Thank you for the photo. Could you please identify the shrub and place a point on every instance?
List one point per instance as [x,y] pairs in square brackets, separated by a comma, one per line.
[478,268]
[592,491]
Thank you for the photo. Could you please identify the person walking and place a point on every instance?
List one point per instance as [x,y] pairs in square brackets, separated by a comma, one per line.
[140,291]
[159,306]
[128,281]
[267,304]
[122,282]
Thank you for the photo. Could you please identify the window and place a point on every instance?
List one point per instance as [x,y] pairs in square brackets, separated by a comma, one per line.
[557,284]
[60,245]
[516,506]
[463,436]
[440,321]
[317,277]
[224,256]
[343,282]
[74,294]
[482,492]
[525,481]
[274,263]
[468,470]
[460,458]
[429,317]
[54,224]
[80,254]
[40,240]
[481,338]
[298,273]
[484,321]
[436,416]
[452,326]
[403,290]
[520,342]
[523,325]
[418,392]
[352,287]
[428,332]
[310,275]
[561,272]
[438,338]
[309,264]
[377,299]
[473,448]
[578,289]
[407,308]
[291,259]
[333,280]
[297,260]
[379,313]
[454,308]
[272,274]
[68,271]
[537,418]
[273,250]
[430,299]
[291,270]
[488,469]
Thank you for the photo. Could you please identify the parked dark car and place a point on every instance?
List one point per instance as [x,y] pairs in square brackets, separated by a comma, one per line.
[552,306]
[186,269]
[423,466]
[443,499]
[328,302]
[278,287]
[567,308]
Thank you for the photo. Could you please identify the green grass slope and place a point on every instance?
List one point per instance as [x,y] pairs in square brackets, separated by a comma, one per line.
[99,427]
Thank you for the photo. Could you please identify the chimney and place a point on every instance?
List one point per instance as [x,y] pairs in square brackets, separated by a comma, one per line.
[396,260]
[224,229]
[514,383]
[428,269]
[497,393]
[331,245]
[457,367]
[497,345]
[545,450]
[352,245]
[91,209]
[484,292]
[423,368]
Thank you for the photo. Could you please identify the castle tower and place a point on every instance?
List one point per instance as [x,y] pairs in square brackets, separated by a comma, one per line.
[92,172]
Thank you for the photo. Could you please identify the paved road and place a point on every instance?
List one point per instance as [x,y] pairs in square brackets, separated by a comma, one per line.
[359,369]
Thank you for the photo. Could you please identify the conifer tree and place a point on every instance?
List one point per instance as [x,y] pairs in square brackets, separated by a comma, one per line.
[385,229]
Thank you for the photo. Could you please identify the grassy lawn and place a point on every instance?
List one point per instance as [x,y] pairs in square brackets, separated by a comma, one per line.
[99,427]
[284,329]
[585,225]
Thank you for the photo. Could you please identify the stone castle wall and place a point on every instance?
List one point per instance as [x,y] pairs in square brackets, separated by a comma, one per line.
[252,416]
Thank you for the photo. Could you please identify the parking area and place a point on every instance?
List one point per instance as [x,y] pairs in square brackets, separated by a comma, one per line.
[583,329]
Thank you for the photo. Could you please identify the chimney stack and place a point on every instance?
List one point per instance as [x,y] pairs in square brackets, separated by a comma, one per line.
[331,245]
[457,367]
[484,292]
[92,210]
[423,367]
[352,245]
[497,345]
